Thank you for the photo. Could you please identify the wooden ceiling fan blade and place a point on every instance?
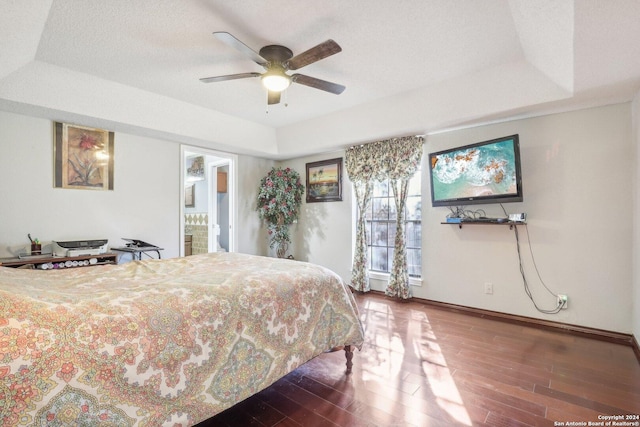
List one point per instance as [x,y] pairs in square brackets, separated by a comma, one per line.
[314,54]
[230,40]
[273,97]
[229,77]
[318,84]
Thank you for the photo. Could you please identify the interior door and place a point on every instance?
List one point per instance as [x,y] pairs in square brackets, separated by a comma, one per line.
[200,206]
[214,227]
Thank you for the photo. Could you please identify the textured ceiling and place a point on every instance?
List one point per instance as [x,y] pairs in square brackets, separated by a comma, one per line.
[423,65]
[165,47]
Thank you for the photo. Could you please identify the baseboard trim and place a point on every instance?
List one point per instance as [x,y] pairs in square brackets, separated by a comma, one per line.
[594,333]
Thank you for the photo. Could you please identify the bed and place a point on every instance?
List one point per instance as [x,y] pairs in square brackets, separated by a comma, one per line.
[162,342]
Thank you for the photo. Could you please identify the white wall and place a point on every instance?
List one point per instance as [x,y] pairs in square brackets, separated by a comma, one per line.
[323,234]
[577,179]
[143,205]
[252,236]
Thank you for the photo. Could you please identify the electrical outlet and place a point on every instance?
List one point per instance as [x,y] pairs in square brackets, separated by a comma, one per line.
[488,288]
[563,300]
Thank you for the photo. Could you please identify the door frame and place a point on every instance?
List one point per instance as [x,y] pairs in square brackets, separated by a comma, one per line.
[232,189]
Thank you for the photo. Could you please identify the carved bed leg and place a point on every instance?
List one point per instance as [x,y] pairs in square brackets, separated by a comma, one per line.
[348,352]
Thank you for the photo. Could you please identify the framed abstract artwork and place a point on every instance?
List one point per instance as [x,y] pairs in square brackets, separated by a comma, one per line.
[83,157]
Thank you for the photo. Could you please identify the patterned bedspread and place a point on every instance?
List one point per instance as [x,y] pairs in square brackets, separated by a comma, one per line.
[161,342]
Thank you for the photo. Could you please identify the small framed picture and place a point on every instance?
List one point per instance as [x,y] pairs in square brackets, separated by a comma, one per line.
[189,196]
[324,181]
[83,157]
[195,168]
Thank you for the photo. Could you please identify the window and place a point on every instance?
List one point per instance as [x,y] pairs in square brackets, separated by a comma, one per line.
[381,227]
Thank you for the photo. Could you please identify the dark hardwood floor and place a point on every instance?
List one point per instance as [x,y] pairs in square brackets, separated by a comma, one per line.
[427,366]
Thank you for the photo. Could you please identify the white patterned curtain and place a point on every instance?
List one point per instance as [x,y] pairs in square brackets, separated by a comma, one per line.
[398,285]
[358,161]
[360,271]
[397,160]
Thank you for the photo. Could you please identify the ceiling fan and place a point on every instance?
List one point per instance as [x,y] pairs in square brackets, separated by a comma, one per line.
[277,60]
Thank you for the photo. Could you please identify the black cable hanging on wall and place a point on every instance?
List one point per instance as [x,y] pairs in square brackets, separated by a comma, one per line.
[525,282]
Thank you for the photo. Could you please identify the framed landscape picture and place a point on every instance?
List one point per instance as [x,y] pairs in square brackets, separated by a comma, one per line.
[324,181]
[83,157]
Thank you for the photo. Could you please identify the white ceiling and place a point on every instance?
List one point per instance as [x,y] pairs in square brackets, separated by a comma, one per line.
[410,66]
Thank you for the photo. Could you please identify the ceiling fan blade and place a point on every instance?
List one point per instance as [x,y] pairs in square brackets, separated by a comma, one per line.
[318,84]
[228,77]
[232,41]
[273,98]
[314,54]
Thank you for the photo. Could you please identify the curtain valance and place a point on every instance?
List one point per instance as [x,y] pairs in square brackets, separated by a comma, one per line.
[395,158]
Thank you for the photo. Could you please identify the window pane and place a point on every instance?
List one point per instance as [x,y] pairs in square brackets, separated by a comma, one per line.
[414,234]
[414,208]
[381,222]
[380,189]
[379,259]
[380,208]
[391,241]
[379,234]
[414,262]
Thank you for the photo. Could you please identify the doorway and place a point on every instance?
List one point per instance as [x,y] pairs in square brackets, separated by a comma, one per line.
[207,202]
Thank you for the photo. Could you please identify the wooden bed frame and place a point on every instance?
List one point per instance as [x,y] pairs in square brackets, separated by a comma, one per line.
[348,353]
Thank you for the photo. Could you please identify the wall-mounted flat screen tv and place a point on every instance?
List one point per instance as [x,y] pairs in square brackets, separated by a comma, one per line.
[484,172]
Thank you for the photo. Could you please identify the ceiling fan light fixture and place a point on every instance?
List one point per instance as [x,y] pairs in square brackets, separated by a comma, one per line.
[277,60]
[275,81]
